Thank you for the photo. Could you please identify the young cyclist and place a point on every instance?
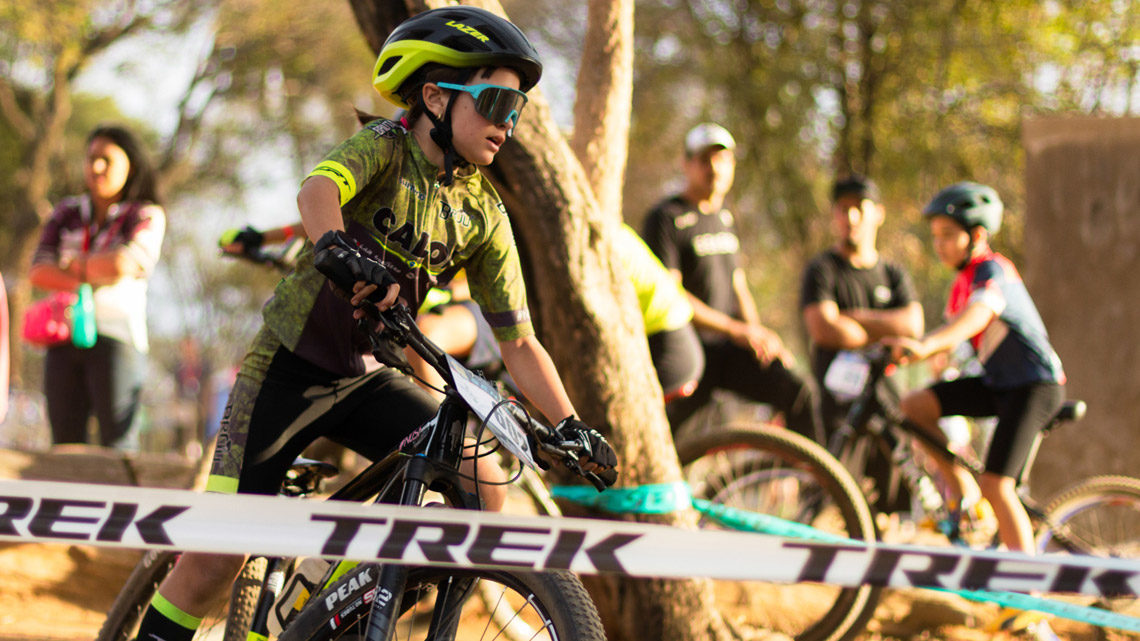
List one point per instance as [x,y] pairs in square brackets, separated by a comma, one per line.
[1022,384]
[410,196]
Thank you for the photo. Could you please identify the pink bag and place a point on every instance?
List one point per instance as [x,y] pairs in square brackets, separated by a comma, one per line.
[47,321]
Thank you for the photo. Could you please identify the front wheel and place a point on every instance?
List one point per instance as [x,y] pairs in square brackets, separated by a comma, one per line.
[772,471]
[537,606]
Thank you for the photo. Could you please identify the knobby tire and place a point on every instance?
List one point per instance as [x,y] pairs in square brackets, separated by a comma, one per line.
[737,465]
[556,606]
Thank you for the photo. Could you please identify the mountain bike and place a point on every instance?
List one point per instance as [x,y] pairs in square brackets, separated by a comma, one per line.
[1098,516]
[418,602]
[752,468]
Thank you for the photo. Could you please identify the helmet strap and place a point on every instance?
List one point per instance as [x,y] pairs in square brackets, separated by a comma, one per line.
[969,256]
[969,250]
[441,135]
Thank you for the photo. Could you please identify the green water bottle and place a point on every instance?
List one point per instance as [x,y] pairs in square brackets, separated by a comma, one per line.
[83,318]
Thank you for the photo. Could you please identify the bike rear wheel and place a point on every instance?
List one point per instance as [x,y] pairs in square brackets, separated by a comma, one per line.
[551,605]
[1098,516]
[773,471]
[231,620]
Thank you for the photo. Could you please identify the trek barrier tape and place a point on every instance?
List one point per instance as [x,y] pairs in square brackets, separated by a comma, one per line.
[669,497]
[102,515]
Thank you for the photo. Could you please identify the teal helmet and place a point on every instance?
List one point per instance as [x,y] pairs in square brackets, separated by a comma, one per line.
[969,204]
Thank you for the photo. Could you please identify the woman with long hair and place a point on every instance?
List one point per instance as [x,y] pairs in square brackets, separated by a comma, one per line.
[108,237]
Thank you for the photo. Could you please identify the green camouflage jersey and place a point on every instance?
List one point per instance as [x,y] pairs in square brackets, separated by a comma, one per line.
[421,231]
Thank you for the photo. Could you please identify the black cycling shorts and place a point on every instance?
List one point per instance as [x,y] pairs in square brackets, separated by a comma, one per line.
[1021,413]
[281,403]
[678,358]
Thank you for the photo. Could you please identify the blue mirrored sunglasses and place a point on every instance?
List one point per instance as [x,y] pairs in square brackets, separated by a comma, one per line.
[500,105]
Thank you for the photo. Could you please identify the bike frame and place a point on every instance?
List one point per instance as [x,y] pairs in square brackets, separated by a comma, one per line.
[867,406]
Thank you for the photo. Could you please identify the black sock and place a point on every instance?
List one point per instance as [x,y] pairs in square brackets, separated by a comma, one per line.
[156,626]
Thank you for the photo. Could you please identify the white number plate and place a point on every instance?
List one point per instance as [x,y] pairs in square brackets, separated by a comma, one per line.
[847,375]
[482,396]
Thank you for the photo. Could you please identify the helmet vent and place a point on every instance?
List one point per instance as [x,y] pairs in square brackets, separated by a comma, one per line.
[388,64]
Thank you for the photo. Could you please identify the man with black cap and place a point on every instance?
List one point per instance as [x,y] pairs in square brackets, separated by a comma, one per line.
[850,298]
[694,235]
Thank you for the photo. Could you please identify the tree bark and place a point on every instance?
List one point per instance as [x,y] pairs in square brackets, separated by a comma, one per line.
[602,104]
[592,328]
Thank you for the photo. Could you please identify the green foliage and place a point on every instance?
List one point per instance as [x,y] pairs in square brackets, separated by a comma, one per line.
[915,94]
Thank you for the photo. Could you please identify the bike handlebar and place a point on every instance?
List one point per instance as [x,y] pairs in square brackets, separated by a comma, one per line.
[399,326]
[281,260]
[549,441]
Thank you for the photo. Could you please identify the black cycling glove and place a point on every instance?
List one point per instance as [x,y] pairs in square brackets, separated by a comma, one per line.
[337,257]
[595,447]
[251,238]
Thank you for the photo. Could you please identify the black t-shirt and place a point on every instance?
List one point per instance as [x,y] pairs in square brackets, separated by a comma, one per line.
[831,277]
[703,247]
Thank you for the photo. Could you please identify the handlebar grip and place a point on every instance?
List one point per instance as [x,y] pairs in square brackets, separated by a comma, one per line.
[334,270]
[337,256]
[327,263]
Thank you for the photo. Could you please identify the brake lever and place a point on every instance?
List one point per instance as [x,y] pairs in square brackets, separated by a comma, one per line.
[597,481]
[570,461]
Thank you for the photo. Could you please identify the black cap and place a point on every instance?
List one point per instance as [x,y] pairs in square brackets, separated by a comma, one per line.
[855,185]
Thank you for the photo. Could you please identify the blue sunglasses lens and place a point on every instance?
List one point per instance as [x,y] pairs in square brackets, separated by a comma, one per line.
[500,105]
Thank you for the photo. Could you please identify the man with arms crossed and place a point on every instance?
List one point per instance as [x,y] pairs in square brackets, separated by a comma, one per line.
[850,298]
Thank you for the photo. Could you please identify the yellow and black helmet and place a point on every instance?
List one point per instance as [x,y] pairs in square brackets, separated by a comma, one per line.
[458,36]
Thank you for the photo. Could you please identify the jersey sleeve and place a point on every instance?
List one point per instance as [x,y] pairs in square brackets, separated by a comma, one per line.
[986,287]
[47,251]
[354,162]
[145,241]
[660,235]
[494,274]
[818,284]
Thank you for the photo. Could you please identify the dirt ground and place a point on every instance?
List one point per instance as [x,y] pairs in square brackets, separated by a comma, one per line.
[58,592]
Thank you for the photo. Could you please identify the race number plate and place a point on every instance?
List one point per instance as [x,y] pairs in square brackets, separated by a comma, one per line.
[847,375]
[485,401]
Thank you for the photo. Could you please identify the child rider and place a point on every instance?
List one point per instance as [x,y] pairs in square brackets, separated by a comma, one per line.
[410,195]
[1022,383]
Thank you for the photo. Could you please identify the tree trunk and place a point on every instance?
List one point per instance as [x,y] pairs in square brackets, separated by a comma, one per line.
[40,143]
[602,104]
[592,328]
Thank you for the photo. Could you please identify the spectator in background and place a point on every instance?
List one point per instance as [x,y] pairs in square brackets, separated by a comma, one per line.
[694,236]
[109,237]
[850,298]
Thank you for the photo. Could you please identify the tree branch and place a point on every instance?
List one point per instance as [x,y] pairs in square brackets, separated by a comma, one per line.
[16,117]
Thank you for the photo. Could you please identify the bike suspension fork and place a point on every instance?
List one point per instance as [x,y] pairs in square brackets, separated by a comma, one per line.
[393,577]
